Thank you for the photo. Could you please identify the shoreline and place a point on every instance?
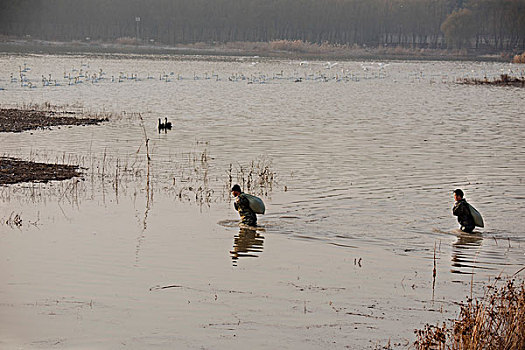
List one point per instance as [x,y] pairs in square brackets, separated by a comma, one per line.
[286,50]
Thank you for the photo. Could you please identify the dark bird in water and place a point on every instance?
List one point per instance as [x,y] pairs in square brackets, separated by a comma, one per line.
[167,124]
[164,126]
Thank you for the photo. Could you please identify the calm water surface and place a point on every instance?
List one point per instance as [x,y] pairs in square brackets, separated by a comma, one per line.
[365,156]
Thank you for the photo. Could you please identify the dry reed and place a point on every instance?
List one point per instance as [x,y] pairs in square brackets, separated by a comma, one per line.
[519,58]
[257,178]
[493,322]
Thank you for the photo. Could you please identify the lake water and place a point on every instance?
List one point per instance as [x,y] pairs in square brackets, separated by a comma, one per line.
[359,162]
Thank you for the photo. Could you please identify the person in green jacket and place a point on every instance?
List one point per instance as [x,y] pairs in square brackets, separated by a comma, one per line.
[462,211]
[242,205]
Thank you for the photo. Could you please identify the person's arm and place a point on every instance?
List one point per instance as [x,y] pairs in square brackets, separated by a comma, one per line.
[244,203]
[462,210]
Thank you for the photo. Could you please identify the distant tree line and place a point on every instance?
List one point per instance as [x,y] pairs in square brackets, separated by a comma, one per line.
[482,24]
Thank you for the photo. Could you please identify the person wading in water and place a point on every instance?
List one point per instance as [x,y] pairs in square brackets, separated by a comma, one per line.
[242,205]
[462,211]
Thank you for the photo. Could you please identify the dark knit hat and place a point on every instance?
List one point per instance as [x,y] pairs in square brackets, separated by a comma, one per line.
[459,192]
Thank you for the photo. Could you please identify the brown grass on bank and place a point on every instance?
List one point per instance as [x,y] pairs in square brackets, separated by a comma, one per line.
[305,47]
[308,49]
[519,58]
[288,46]
[494,322]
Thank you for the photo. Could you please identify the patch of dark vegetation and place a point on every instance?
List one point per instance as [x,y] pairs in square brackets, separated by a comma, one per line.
[18,120]
[495,321]
[503,80]
[14,170]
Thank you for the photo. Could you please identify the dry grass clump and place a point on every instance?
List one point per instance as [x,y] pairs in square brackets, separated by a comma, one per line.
[519,58]
[294,46]
[310,48]
[256,178]
[494,322]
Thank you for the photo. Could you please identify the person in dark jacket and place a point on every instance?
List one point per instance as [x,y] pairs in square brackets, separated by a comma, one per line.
[462,211]
[242,205]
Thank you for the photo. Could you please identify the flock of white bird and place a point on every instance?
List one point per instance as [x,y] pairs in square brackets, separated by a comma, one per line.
[307,71]
[81,75]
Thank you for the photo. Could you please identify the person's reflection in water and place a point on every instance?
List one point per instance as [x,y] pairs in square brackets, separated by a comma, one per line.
[464,253]
[248,243]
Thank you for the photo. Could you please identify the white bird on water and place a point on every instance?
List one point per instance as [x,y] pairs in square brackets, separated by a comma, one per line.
[330,65]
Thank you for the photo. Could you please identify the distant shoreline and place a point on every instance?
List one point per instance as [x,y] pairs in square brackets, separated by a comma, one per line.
[288,50]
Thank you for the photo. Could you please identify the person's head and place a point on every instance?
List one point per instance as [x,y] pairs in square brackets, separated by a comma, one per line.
[236,190]
[458,194]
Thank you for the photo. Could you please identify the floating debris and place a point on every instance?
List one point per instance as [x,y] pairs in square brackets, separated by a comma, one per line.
[14,220]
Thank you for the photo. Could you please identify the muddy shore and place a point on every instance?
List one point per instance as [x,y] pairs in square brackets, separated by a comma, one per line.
[18,120]
[14,170]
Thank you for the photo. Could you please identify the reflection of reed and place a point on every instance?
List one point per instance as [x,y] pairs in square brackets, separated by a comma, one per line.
[246,244]
[464,253]
[149,198]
